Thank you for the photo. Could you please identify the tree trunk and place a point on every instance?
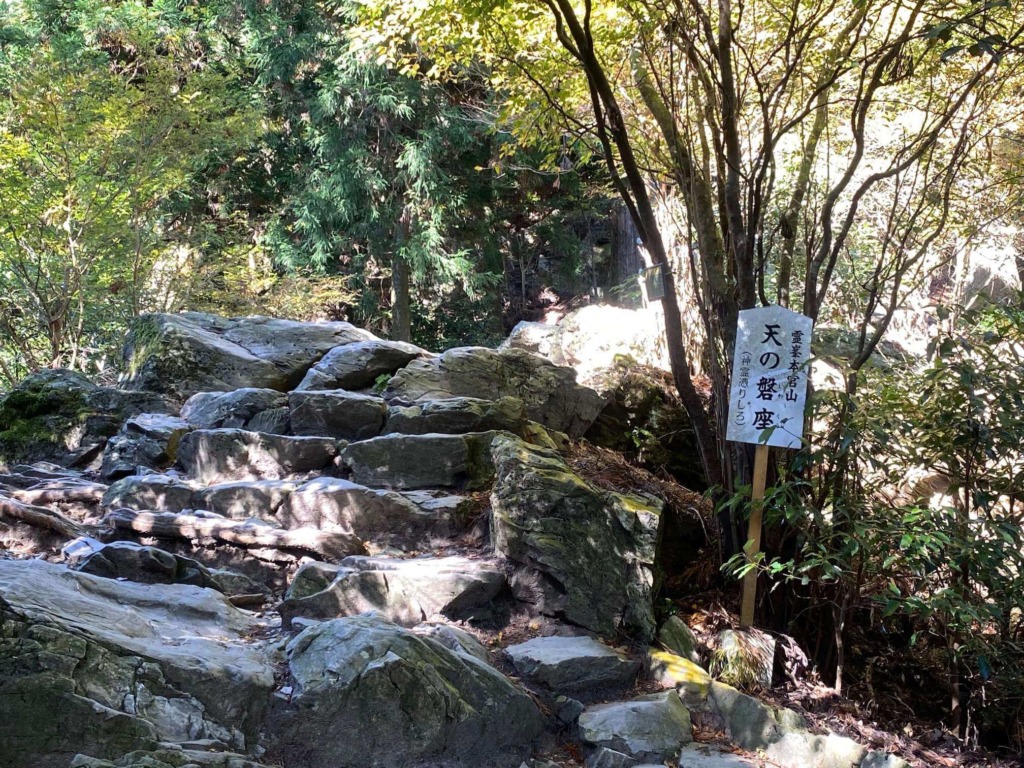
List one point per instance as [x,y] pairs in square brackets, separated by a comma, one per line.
[401,317]
[626,261]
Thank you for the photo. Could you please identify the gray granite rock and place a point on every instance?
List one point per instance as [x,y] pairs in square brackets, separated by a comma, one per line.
[147,440]
[422,461]
[407,592]
[337,414]
[251,408]
[381,516]
[549,393]
[457,415]
[572,664]
[360,364]
[650,728]
[596,552]
[180,355]
[101,667]
[222,455]
[410,700]
[157,492]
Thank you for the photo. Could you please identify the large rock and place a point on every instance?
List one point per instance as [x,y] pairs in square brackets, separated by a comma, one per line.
[337,413]
[597,550]
[780,734]
[651,728]
[180,355]
[573,664]
[223,455]
[550,393]
[158,492]
[380,516]
[359,365]
[457,415]
[368,694]
[250,408]
[63,417]
[148,440]
[404,591]
[132,561]
[422,461]
[245,499]
[101,667]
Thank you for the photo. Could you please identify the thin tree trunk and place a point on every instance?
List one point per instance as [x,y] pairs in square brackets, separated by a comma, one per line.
[401,314]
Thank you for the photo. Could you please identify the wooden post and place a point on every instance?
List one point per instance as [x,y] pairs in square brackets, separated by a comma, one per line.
[753,545]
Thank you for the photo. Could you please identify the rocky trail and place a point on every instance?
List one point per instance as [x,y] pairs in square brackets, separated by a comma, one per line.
[297,545]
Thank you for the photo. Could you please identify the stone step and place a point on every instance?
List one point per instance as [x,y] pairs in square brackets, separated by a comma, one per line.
[409,520]
[573,665]
[409,462]
[652,728]
[406,592]
[222,455]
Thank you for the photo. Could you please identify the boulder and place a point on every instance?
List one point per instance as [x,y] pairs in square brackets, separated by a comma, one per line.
[157,492]
[132,561]
[422,461]
[222,455]
[312,577]
[360,364]
[679,638]
[406,592]
[780,735]
[381,516]
[369,694]
[180,355]
[549,393]
[336,413]
[250,408]
[457,415]
[671,671]
[102,667]
[651,728]
[245,499]
[148,440]
[61,416]
[453,638]
[573,664]
[597,551]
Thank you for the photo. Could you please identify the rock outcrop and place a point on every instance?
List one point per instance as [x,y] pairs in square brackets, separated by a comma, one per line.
[369,694]
[549,393]
[111,666]
[180,355]
[596,552]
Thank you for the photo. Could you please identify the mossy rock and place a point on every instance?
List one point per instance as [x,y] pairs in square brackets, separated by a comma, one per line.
[61,416]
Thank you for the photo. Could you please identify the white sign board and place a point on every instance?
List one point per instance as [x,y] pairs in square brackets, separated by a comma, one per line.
[769,377]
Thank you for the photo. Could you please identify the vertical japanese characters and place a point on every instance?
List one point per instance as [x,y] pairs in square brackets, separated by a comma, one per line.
[769,384]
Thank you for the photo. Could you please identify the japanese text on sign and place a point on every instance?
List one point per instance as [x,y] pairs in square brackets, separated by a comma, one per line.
[769,377]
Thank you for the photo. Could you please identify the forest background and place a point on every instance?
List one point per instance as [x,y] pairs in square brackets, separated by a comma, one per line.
[436,171]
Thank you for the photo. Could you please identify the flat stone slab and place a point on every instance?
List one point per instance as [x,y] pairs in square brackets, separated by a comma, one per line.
[406,592]
[408,462]
[251,408]
[457,415]
[222,455]
[373,514]
[161,493]
[336,413]
[359,365]
[650,728]
[245,499]
[572,664]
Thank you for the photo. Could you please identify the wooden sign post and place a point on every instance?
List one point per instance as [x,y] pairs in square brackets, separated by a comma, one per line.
[766,405]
